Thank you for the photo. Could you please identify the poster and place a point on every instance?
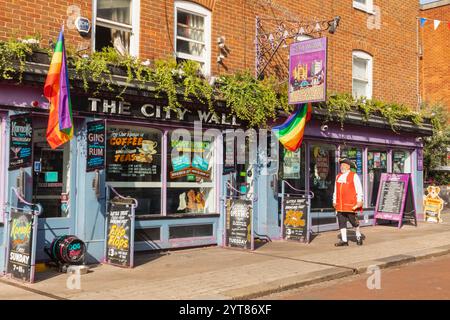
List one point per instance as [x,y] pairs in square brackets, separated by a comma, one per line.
[96,138]
[291,164]
[133,155]
[20,241]
[119,234]
[308,71]
[354,155]
[190,159]
[239,218]
[295,219]
[20,142]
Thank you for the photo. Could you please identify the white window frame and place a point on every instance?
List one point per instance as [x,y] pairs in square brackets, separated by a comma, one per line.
[364,56]
[367,7]
[196,9]
[134,30]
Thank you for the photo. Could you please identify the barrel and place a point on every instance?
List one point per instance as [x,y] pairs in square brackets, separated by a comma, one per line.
[68,249]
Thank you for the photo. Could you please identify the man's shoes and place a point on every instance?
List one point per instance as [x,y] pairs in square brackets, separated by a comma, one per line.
[341,244]
[359,241]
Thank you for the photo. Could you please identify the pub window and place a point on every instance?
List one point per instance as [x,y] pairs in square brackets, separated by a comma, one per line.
[355,154]
[193,34]
[376,165]
[133,165]
[364,5]
[292,168]
[401,161]
[116,26]
[190,175]
[362,75]
[322,175]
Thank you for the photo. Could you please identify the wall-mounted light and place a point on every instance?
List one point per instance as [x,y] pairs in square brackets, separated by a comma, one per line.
[332,26]
[324,128]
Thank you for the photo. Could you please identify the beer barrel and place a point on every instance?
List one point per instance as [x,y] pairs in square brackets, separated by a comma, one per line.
[68,249]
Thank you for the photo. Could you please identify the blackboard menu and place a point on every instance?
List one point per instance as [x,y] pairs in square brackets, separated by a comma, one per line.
[118,234]
[96,138]
[239,216]
[391,200]
[20,142]
[20,240]
[295,219]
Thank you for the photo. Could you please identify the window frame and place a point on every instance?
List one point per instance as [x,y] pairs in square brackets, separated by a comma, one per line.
[193,8]
[367,7]
[369,70]
[133,28]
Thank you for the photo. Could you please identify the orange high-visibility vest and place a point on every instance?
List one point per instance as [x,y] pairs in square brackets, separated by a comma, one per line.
[346,194]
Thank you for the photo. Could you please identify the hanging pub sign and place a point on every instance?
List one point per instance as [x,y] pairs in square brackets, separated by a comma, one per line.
[295,219]
[20,142]
[308,71]
[96,139]
[118,236]
[20,244]
[395,199]
[133,154]
[239,223]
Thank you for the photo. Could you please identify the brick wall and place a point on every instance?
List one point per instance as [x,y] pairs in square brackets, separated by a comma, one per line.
[393,46]
[435,64]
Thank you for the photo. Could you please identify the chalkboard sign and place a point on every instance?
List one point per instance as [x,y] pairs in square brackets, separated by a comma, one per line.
[96,140]
[295,219]
[20,142]
[239,217]
[20,241]
[395,199]
[118,237]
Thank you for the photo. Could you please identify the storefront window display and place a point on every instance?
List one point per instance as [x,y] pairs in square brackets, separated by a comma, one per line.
[355,154]
[401,161]
[322,175]
[376,165]
[292,168]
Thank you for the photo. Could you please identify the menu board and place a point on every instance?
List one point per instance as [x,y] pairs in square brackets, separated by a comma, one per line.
[133,155]
[20,240]
[295,219]
[96,139]
[118,234]
[395,198]
[239,217]
[20,142]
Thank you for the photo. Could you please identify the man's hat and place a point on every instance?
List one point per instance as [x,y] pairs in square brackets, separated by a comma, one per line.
[349,162]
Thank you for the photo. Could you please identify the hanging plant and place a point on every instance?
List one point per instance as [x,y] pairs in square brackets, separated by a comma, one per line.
[14,54]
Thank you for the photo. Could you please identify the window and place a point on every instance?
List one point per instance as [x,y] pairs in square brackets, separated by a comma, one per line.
[364,5]
[322,175]
[147,234]
[356,155]
[401,161]
[376,165]
[362,75]
[117,26]
[292,168]
[193,34]
[203,230]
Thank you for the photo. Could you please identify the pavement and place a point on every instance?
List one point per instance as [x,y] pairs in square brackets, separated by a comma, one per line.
[225,273]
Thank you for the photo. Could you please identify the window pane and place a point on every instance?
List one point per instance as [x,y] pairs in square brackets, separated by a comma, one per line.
[147,234]
[133,154]
[190,200]
[149,199]
[190,26]
[360,89]
[401,162]
[322,175]
[203,230]
[191,48]
[376,164]
[360,1]
[117,39]
[355,155]
[115,10]
[293,168]
[360,68]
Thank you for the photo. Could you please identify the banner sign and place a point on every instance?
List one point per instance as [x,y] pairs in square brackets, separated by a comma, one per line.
[295,219]
[96,143]
[20,142]
[239,219]
[308,71]
[20,244]
[119,234]
[395,198]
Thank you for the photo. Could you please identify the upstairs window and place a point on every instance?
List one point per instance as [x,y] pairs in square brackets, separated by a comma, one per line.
[116,25]
[193,34]
[364,5]
[362,75]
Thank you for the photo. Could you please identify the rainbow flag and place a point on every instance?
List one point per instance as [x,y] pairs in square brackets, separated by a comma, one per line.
[56,90]
[290,133]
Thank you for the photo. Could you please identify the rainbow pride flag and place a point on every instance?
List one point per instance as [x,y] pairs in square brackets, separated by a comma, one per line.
[56,90]
[290,133]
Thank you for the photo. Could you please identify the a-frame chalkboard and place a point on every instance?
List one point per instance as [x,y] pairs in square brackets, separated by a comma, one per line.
[395,199]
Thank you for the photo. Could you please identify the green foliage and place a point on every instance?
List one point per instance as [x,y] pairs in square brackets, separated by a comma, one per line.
[13,53]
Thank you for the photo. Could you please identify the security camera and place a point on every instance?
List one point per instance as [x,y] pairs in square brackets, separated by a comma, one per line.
[323,128]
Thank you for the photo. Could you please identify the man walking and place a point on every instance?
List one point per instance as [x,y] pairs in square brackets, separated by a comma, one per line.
[347,198]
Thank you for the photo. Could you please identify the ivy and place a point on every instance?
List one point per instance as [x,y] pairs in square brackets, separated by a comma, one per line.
[13,53]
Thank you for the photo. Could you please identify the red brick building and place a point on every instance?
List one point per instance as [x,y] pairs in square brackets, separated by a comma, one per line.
[382,34]
[435,65]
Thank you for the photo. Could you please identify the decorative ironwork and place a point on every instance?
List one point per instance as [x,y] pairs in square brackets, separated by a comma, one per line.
[281,33]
